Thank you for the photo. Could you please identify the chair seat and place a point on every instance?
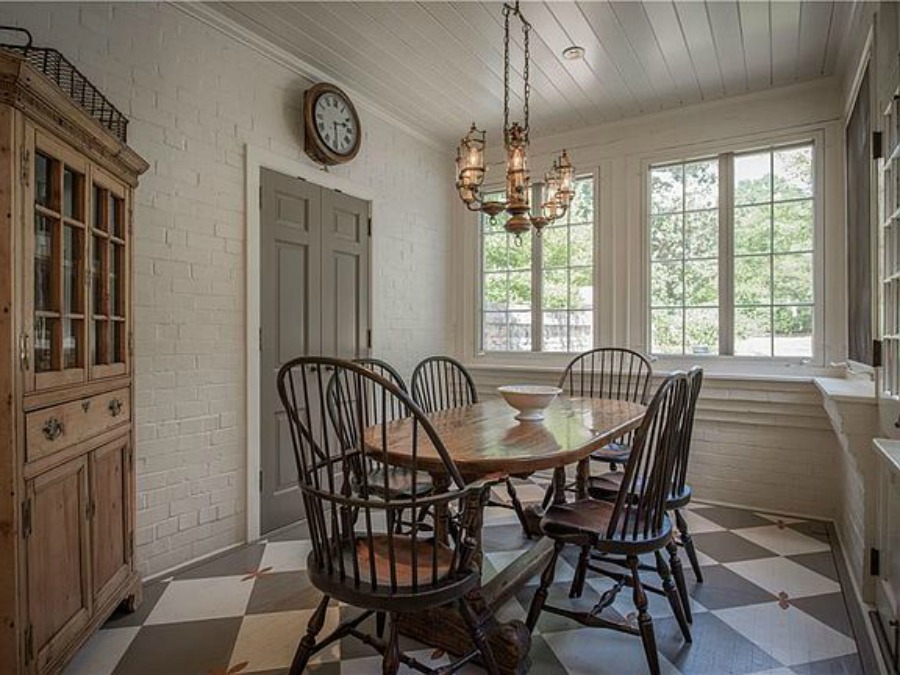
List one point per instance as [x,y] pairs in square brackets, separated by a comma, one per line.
[399,482]
[606,487]
[586,521]
[614,452]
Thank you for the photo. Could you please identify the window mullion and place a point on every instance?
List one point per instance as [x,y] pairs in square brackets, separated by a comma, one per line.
[537,287]
[726,254]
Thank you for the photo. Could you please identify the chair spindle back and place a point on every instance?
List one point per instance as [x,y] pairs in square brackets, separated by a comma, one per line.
[440,383]
[608,372]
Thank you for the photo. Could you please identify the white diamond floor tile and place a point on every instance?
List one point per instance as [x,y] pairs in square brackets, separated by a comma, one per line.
[697,524]
[268,641]
[783,541]
[102,652]
[789,635]
[778,575]
[198,599]
[286,556]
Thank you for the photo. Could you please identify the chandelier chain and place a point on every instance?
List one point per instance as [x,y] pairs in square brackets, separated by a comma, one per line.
[526,29]
[506,12]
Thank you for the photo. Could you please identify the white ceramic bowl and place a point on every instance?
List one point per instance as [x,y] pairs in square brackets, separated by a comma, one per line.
[529,399]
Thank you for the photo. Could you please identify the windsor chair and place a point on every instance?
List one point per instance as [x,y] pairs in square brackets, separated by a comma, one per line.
[635,524]
[442,383]
[357,556]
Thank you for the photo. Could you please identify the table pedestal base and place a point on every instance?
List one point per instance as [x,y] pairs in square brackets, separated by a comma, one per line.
[445,629]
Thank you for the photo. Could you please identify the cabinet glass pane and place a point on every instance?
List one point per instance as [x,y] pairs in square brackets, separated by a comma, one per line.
[115,279]
[116,217]
[99,343]
[72,194]
[44,231]
[99,201]
[44,328]
[44,185]
[72,336]
[116,342]
[97,281]
[72,266]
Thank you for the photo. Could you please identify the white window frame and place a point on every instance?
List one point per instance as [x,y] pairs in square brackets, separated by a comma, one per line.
[536,355]
[707,151]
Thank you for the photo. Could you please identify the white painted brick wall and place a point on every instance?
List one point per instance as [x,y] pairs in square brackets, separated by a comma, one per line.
[194,98]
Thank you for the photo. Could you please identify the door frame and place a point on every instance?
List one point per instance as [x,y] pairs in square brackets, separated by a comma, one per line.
[256,159]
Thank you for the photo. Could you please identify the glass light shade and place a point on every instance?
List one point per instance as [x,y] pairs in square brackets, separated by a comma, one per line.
[550,208]
[518,180]
[566,176]
[470,163]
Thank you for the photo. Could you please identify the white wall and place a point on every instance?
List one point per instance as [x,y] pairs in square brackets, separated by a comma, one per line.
[195,98]
[762,437]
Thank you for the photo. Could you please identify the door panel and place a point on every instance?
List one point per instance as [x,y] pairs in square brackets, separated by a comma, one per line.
[110,535]
[315,301]
[59,599]
[345,273]
[290,308]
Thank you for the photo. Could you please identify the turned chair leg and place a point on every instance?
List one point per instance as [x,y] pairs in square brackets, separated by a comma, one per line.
[688,542]
[307,645]
[675,602]
[379,624]
[580,573]
[476,628]
[390,664]
[645,622]
[678,573]
[517,506]
[540,596]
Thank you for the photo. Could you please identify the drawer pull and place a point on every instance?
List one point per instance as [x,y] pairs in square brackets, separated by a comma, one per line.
[86,404]
[115,407]
[52,429]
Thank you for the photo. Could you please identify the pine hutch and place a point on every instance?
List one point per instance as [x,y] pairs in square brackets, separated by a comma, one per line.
[66,443]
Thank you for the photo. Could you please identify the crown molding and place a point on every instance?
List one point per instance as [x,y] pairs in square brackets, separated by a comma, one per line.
[214,19]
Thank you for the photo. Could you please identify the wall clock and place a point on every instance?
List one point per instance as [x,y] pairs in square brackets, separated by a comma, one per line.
[332,125]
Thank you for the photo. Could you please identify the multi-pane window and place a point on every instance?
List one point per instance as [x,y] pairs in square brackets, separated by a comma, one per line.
[753,296]
[537,292]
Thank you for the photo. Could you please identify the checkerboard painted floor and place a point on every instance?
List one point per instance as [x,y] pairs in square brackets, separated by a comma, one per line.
[771,603]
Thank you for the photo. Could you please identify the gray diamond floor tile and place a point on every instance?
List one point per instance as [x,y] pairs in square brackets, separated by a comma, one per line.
[725,547]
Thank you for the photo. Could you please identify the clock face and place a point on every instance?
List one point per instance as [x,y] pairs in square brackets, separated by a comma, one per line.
[335,123]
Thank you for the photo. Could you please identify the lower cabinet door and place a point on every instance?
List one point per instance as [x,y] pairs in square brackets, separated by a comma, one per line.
[110,517]
[59,596]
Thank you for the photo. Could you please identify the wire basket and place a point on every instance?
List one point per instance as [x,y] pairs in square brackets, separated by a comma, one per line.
[68,78]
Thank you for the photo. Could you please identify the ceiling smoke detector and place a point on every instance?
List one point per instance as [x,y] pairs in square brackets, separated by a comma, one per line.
[573,53]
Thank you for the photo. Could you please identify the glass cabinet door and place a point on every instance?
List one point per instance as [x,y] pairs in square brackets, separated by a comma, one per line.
[58,208]
[108,279]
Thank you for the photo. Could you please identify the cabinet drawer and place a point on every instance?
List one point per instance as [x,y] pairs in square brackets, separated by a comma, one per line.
[52,429]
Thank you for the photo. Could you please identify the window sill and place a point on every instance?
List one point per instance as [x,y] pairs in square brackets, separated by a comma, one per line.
[717,368]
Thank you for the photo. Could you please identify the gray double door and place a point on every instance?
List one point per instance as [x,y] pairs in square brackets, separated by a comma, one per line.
[314,300]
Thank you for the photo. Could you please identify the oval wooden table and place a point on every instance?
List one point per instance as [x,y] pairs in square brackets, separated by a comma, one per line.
[484,440]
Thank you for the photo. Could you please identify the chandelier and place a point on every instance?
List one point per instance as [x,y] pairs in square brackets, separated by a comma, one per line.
[558,182]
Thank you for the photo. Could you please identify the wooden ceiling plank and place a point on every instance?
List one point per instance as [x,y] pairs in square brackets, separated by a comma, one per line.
[624,87]
[469,53]
[725,21]
[667,29]
[675,88]
[287,35]
[815,25]
[756,39]
[484,21]
[839,22]
[698,36]
[784,18]
[354,33]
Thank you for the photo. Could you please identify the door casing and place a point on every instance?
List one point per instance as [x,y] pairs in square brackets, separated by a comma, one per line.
[256,159]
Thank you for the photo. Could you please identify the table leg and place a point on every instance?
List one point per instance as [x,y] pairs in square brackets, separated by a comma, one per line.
[510,642]
[582,478]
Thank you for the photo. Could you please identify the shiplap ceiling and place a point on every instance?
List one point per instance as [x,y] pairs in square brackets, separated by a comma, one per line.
[438,66]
